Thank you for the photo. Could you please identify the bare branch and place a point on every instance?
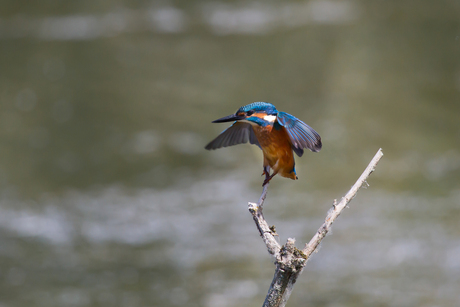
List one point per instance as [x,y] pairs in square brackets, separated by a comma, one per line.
[336,209]
[290,261]
[266,232]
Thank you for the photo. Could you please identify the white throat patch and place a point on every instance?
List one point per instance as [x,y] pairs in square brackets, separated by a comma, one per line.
[270,118]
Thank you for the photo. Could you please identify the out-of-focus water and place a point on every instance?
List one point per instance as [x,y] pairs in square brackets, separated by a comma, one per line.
[108,198]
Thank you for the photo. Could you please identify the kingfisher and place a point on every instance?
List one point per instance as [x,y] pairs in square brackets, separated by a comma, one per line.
[278,134]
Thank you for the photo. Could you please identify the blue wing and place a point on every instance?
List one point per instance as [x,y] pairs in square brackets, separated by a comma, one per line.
[301,135]
[238,133]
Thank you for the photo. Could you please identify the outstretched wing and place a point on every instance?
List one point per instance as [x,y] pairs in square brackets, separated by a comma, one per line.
[238,133]
[301,135]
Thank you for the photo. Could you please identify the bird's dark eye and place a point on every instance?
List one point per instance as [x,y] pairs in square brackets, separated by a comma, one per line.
[249,113]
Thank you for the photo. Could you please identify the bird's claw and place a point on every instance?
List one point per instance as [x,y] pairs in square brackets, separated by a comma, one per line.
[267,179]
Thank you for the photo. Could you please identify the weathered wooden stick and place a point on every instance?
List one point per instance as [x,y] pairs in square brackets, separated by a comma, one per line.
[266,232]
[289,260]
[336,209]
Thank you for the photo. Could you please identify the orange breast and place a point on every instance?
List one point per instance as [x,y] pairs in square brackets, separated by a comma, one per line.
[277,150]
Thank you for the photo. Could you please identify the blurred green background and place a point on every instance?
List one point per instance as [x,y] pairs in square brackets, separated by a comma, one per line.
[108,198]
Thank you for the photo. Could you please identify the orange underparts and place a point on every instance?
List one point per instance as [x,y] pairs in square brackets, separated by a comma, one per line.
[277,150]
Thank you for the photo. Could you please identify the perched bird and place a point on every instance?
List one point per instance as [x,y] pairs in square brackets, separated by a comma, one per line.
[278,134]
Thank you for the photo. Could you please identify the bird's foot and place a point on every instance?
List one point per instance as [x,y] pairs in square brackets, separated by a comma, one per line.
[265,172]
[267,179]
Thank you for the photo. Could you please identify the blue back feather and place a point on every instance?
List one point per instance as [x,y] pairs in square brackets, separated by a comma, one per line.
[301,135]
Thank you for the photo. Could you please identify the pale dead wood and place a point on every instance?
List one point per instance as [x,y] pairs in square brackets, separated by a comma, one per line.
[289,260]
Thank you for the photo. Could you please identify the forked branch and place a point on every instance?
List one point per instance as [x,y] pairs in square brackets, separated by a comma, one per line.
[290,261]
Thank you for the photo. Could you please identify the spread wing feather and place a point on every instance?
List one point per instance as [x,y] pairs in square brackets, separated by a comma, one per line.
[238,133]
[301,135]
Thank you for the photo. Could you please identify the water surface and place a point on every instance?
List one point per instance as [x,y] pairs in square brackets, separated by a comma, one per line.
[108,198]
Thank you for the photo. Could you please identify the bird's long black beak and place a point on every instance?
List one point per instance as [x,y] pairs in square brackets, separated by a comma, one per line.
[229,118]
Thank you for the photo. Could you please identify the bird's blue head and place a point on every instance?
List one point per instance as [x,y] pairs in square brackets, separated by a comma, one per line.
[259,107]
[259,113]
